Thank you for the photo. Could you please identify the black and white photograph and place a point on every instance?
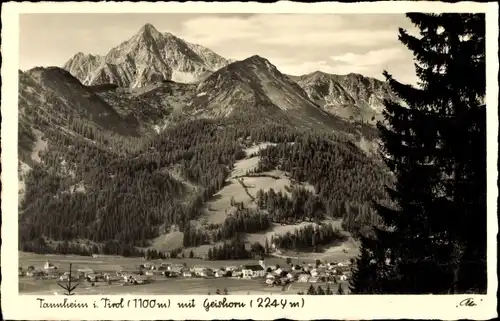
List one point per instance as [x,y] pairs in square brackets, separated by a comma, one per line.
[244,153]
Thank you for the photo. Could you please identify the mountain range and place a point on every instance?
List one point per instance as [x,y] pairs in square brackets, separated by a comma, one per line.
[154,127]
[150,57]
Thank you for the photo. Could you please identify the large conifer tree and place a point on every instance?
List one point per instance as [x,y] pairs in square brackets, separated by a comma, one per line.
[433,239]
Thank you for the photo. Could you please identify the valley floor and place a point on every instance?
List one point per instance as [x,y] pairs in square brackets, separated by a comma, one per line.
[159,284]
[195,286]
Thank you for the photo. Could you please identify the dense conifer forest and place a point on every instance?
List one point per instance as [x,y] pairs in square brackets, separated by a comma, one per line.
[101,186]
[232,250]
[309,238]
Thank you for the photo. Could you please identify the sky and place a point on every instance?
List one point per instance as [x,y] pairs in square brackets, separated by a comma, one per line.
[296,44]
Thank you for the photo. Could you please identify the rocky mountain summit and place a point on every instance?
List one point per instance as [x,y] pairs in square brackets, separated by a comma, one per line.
[254,87]
[352,96]
[149,56]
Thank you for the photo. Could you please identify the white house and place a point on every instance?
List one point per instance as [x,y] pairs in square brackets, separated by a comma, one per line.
[343,277]
[85,271]
[303,278]
[278,271]
[65,277]
[314,273]
[207,273]
[126,277]
[272,267]
[92,277]
[270,281]
[253,271]
[187,274]
[198,270]
[177,268]
[340,264]
[49,266]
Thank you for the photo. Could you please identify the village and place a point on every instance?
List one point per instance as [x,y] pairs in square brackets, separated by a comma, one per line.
[259,272]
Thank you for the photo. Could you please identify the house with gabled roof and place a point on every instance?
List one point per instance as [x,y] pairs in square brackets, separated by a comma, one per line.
[49,266]
[176,269]
[303,278]
[253,271]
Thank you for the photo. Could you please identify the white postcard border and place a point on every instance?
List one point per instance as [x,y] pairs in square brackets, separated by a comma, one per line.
[27,307]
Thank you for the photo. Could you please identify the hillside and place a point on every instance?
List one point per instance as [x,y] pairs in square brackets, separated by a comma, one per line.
[351,96]
[61,96]
[155,105]
[147,57]
[52,102]
[139,198]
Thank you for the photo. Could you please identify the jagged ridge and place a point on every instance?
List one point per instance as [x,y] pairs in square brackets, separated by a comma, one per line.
[255,88]
[54,96]
[149,56]
[351,96]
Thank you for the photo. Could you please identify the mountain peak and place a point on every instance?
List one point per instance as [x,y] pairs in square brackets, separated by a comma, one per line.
[148,27]
[256,58]
[257,61]
[149,31]
[355,75]
[318,72]
[147,57]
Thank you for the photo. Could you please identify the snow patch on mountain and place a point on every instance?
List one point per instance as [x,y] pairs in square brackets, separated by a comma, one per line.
[351,96]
